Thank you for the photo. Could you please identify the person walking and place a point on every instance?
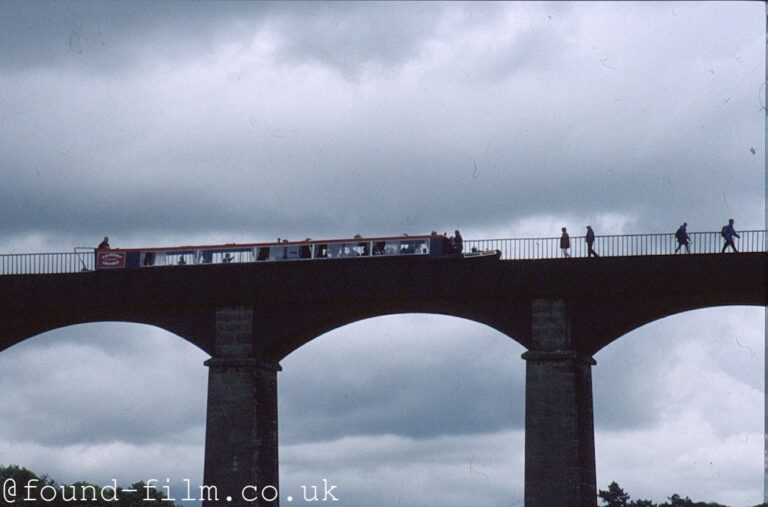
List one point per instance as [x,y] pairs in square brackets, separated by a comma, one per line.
[590,242]
[728,233]
[682,238]
[565,243]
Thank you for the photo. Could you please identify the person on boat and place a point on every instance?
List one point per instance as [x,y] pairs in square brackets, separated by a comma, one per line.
[458,242]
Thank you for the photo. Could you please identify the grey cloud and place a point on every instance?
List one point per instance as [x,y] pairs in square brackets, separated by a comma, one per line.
[402,380]
[160,123]
[450,471]
[634,388]
[377,156]
[89,388]
[350,36]
[110,37]
[119,38]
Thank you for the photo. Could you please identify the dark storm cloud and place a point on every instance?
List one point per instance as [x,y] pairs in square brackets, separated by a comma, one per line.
[273,136]
[107,37]
[120,37]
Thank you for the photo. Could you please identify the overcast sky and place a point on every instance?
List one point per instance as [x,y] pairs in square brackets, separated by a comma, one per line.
[175,123]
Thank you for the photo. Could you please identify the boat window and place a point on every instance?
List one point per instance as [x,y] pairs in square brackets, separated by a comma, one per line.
[147,258]
[407,247]
[357,249]
[153,259]
[263,254]
[379,247]
[292,252]
[181,259]
[226,257]
[277,253]
[336,250]
[321,251]
[392,247]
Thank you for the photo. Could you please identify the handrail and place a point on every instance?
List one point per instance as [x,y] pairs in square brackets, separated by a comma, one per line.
[619,245]
[83,259]
[46,263]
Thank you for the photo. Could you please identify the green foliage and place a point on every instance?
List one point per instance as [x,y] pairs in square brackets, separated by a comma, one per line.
[44,492]
[676,501]
[615,496]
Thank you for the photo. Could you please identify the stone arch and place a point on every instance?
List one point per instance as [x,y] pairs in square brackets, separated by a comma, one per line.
[104,400]
[192,325]
[685,385]
[407,384]
[617,320]
[298,327]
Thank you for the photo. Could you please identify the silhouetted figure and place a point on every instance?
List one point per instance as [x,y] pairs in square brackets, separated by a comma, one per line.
[227,258]
[458,242]
[682,238]
[182,262]
[565,243]
[728,232]
[590,242]
[104,245]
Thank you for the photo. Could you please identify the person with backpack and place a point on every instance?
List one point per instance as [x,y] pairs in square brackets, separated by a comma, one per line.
[682,238]
[728,233]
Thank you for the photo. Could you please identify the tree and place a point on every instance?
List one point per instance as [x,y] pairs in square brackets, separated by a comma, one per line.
[614,496]
[676,501]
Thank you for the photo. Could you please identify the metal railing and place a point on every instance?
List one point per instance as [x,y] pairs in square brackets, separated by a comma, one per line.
[618,245]
[46,263]
[83,259]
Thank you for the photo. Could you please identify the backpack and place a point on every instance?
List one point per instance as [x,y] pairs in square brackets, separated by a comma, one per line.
[724,232]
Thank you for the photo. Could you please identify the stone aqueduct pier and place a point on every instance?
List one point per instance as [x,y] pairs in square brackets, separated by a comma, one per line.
[248,317]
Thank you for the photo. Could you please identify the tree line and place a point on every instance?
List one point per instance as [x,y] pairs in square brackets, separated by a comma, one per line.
[615,496]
